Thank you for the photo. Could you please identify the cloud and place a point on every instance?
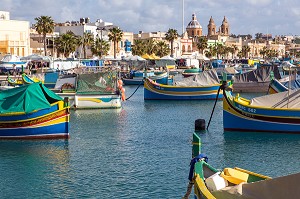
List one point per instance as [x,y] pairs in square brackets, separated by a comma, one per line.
[159,15]
[260,2]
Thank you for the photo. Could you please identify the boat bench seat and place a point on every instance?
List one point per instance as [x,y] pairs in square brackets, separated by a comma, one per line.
[234,176]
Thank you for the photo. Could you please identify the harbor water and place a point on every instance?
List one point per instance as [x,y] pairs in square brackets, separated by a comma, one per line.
[142,150]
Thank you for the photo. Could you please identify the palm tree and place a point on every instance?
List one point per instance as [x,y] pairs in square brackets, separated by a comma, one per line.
[66,43]
[245,51]
[162,49]
[150,46]
[100,47]
[44,25]
[115,35]
[171,35]
[202,44]
[139,47]
[235,48]
[263,51]
[86,40]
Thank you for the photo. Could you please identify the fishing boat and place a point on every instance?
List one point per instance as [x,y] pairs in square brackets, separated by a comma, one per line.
[282,85]
[14,81]
[190,72]
[278,112]
[33,111]
[159,77]
[292,81]
[11,62]
[202,86]
[255,81]
[136,77]
[92,90]
[212,183]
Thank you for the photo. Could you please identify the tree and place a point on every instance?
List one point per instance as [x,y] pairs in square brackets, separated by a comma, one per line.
[234,49]
[66,43]
[202,44]
[258,35]
[100,47]
[86,40]
[139,47]
[44,25]
[150,46]
[115,35]
[162,49]
[245,51]
[263,51]
[171,35]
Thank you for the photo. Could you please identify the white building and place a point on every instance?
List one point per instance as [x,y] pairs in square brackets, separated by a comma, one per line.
[14,36]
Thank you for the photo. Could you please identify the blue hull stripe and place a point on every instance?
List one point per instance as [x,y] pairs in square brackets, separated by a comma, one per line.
[29,116]
[57,129]
[233,122]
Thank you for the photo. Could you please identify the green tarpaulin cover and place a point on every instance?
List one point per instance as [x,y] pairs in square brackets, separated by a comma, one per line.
[27,98]
[97,83]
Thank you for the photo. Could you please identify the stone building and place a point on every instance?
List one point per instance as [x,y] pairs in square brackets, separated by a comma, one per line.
[223,30]
[194,29]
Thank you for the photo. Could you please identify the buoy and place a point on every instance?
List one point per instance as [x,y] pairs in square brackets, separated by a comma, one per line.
[199,124]
[123,94]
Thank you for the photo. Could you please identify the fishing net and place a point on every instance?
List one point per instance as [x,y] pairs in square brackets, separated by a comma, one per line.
[97,83]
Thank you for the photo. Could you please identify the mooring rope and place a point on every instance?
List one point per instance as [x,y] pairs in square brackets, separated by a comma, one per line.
[135,89]
[188,191]
[223,88]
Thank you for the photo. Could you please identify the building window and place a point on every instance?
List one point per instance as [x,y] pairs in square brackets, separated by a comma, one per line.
[193,33]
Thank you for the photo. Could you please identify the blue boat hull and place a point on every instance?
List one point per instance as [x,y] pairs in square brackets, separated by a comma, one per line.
[154,91]
[134,81]
[239,117]
[42,124]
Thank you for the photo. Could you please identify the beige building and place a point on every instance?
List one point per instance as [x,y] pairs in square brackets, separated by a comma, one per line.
[150,35]
[14,36]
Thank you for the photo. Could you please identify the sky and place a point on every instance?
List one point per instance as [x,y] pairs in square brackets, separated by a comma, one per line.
[276,17]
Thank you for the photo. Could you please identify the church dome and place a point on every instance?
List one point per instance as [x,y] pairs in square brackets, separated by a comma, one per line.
[194,23]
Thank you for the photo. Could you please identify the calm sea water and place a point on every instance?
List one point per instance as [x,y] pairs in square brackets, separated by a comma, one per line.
[140,151]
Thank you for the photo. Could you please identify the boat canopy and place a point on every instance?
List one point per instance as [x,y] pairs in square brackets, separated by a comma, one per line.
[27,98]
[97,83]
[259,75]
[292,82]
[286,99]
[205,78]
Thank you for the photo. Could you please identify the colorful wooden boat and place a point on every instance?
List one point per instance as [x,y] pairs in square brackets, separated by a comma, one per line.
[93,90]
[277,86]
[190,72]
[161,78]
[200,87]
[234,183]
[14,82]
[28,80]
[25,79]
[136,77]
[278,113]
[255,81]
[33,111]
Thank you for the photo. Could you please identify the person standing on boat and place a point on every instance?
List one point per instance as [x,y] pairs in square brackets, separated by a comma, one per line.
[14,70]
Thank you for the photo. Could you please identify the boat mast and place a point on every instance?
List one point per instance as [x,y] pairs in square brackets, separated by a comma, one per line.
[182,17]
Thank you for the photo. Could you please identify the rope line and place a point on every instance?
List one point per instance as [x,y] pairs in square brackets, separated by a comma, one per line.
[135,90]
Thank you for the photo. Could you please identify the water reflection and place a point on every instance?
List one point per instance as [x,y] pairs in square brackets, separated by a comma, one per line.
[27,164]
[267,153]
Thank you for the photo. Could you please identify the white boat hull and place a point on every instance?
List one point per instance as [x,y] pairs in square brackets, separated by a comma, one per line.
[92,101]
